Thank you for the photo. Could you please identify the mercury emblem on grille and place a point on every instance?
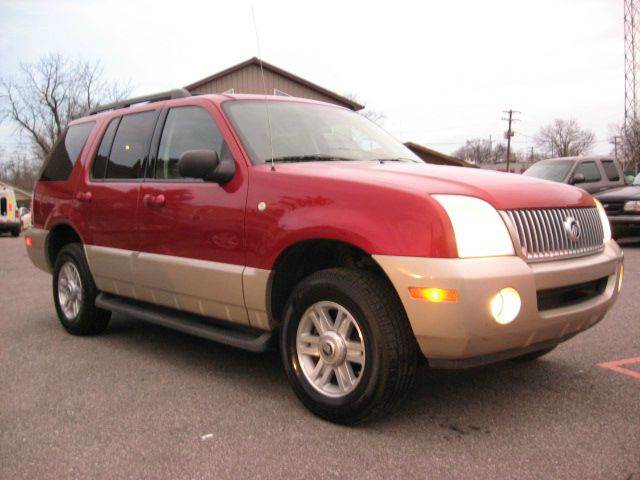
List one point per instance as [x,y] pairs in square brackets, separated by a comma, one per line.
[572,227]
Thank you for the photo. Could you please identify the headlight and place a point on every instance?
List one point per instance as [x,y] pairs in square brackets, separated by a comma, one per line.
[606,227]
[478,227]
[632,206]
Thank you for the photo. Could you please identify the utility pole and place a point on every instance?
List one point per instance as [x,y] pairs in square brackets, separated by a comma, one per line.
[509,133]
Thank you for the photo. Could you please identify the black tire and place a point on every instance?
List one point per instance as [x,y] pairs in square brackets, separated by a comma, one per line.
[390,347]
[90,319]
[529,357]
[15,232]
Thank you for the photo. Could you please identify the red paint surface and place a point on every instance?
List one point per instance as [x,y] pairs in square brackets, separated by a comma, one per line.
[380,208]
[617,366]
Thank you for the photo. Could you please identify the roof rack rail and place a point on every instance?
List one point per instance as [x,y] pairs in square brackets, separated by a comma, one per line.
[156,97]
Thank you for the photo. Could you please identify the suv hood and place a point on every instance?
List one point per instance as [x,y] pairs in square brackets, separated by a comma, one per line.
[502,190]
[621,194]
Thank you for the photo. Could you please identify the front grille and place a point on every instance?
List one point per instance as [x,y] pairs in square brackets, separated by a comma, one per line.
[614,208]
[542,235]
[564,296]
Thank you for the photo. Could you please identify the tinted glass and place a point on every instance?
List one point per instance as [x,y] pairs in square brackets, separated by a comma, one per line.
[186,128]
[611,170]
[66,152]
[100,162]
[590,172]
[130,145]
[309,130]
[555,171]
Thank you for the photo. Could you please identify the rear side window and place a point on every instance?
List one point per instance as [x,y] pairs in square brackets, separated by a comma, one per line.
[66,152]
[186,128]
[611,170]
[590,172]
[130,145]
[102,157]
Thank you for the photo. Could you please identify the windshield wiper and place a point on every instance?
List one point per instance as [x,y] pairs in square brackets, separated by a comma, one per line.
[309,158]
[398,159]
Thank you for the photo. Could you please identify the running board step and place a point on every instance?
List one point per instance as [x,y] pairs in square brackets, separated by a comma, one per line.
[252,340]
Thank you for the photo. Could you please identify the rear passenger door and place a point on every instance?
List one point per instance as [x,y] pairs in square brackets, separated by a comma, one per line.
[109,199]
[190,231]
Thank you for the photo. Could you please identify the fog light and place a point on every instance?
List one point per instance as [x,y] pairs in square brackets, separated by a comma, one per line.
[505,306]
[620,275]
[435,295]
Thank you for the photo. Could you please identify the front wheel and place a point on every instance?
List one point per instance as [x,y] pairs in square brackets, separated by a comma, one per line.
[347,346]
[74,294]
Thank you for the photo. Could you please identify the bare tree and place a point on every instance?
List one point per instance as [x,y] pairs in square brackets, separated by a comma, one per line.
[19,169]
[376,116]
[50,93]
[629,146]
[564,138]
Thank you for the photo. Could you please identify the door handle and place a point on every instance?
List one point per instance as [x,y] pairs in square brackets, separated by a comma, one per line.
[84,197]
[151,201]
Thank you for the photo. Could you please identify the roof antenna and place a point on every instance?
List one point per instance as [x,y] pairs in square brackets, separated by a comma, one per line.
[264,89]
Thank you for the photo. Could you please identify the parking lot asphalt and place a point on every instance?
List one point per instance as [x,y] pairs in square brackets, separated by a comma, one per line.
[140,401]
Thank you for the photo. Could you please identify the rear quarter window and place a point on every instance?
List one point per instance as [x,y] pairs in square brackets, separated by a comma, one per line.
[66,151]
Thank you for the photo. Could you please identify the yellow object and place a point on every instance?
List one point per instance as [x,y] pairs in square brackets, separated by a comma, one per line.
[435,295]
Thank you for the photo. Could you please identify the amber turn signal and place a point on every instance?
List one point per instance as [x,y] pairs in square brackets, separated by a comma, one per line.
[435,295]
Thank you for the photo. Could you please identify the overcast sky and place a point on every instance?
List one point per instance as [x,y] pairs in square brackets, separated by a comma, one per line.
[440,71]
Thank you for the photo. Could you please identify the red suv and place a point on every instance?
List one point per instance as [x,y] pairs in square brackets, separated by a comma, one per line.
[244,219]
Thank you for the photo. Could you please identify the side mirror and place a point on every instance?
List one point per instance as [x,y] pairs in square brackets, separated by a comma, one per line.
[578,178]
[206,165]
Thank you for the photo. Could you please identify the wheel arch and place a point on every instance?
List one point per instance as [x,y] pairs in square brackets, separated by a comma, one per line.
[59,236]
[305,257]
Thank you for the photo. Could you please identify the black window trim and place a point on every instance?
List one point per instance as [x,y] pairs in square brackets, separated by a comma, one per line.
[143,168]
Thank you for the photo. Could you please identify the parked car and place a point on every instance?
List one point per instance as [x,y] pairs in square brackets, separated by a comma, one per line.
[9,221]
[248,219]
[25,217]
[623,208]
[593,174]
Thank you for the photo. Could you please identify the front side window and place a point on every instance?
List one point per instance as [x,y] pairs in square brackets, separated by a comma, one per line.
[186,128]
[66,151]
[130,145]
[310,132]
[590,172]
[611,170]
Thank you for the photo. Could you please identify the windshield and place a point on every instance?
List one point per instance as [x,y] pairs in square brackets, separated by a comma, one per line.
[556,171]
[310,132]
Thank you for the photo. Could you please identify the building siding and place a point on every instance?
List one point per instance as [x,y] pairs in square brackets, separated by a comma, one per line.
[249,80]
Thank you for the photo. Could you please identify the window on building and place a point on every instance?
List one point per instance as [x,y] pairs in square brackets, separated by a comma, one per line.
[231,91]
[130,145]
[186,128]
[100,162]
[590,172]
[66,151]
[611,170]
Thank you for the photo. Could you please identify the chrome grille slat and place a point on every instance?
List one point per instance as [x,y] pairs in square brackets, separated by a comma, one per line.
[541,234]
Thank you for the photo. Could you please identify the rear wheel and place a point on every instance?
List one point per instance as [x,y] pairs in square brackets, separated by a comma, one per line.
[74,294]
[528,357]
[347,347]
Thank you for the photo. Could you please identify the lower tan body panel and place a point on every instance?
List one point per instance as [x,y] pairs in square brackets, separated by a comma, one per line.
[211,289]
[466,329]
[38,250]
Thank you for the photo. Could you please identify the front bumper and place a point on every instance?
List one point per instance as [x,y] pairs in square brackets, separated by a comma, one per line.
[453,335]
